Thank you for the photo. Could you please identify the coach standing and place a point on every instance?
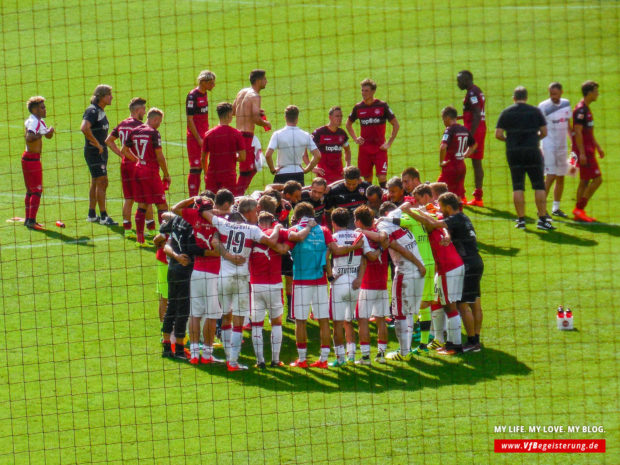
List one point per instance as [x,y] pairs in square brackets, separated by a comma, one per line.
[291,144]
[521,126]
[95,128]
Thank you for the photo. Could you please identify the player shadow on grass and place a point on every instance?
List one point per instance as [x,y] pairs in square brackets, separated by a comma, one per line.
[491,249]
[489,211]
[421,372]
[559,237]
[611,229]
[82,240]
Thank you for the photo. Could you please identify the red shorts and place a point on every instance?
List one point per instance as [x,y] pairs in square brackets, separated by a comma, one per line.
[148,187]
[591,170]
[248,164]
[193,152]
[479,137]
[215,181]
[369,156]
[33,172]
[453,174]
[127,175]
[332,173]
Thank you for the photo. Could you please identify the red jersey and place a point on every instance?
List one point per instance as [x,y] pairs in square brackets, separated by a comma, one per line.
[330,144]
[372,121]
[583,116]
[197,105]
[446,257]
[222,143]
[376,274]
[457,139]
[123,129]
[204,234]
[160,255]
[144,140]
[474,98]
[265,263]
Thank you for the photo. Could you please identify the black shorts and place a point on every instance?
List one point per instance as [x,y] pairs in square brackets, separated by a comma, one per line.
[97,163]
[531,164]
[282,178]
[287,264]
[471,282]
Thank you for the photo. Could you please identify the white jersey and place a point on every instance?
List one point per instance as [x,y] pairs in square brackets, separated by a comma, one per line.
[405,239]
[238,239]
[291,144]
[36,125]
[349,264]
[558,117]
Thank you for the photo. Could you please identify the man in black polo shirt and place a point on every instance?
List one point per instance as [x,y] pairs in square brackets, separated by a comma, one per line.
[315,196]
[349,193]
[522,126]
[95,128]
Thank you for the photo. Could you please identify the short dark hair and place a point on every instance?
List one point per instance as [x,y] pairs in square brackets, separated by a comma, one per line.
[449,112]
[341,217]
[439,188]
[291,113]
[555,85]
[369,83]
[256,74]
[387,207]
[318,181]
[268,204]
[520,93]
[374,190]
[411,172]
[303,209]
[364,215]
[450,199]
[34,102]
[136,102]
[588,87]
[274,193]
[290,187]
[467,73]
[395,182]
[224,196]
[207,193]
[422,190]
[334,109]
[352,172]
[223,109]
[236,217]
[266,218]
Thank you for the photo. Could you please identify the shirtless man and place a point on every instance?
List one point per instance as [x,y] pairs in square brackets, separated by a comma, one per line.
[247,110]
[31,158]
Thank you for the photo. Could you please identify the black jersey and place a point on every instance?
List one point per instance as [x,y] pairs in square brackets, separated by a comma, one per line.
[99,125]
[464,238]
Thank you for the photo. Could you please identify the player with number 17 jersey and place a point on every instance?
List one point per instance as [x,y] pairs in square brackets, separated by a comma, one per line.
[148,186]
[121,132]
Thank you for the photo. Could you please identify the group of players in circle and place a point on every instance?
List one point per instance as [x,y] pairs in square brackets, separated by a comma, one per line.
[214,241]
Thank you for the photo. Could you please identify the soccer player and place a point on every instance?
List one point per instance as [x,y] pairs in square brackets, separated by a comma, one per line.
[585,146]
[197,111]
[331,141]
[31,158]
[310,280]
[373,114]
[521,126]
[159,241]
[248,113]
[137,110]
[474,120]
[349,193]
[292,145]
[463,237]
[557,112]
[95,128]
[457,143]
[347,272]
[396,191]
[145,141]
[438,188]
[222,146]
[374,198]
[315,196]
[237,237]
[411,179]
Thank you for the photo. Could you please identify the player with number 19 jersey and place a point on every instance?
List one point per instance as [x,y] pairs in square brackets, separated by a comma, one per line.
[122,131]
[456,139]
[148,186]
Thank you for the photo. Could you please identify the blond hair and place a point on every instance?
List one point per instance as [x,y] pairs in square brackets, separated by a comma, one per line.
[153,112]
[205,75]
[34,102]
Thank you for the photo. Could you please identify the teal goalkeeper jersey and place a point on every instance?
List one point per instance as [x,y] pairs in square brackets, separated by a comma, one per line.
[421,237]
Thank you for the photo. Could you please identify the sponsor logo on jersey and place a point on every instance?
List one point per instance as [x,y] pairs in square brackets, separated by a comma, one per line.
[369,121]
[333,148]
[190,104]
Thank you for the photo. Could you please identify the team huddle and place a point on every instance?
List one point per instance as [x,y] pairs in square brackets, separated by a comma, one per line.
[223,255]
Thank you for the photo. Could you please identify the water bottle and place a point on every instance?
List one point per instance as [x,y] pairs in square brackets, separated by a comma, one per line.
[561,319]
[568,319]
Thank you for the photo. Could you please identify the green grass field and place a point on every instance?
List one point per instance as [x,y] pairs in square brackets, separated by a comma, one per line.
[80,366]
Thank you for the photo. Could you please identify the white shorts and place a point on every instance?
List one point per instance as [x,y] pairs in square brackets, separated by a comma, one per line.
[265,297]
[372,302]
[556,162]
[343,298]
[306,296]
[407,292]
[203,295]
[234,293]
[449,286]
